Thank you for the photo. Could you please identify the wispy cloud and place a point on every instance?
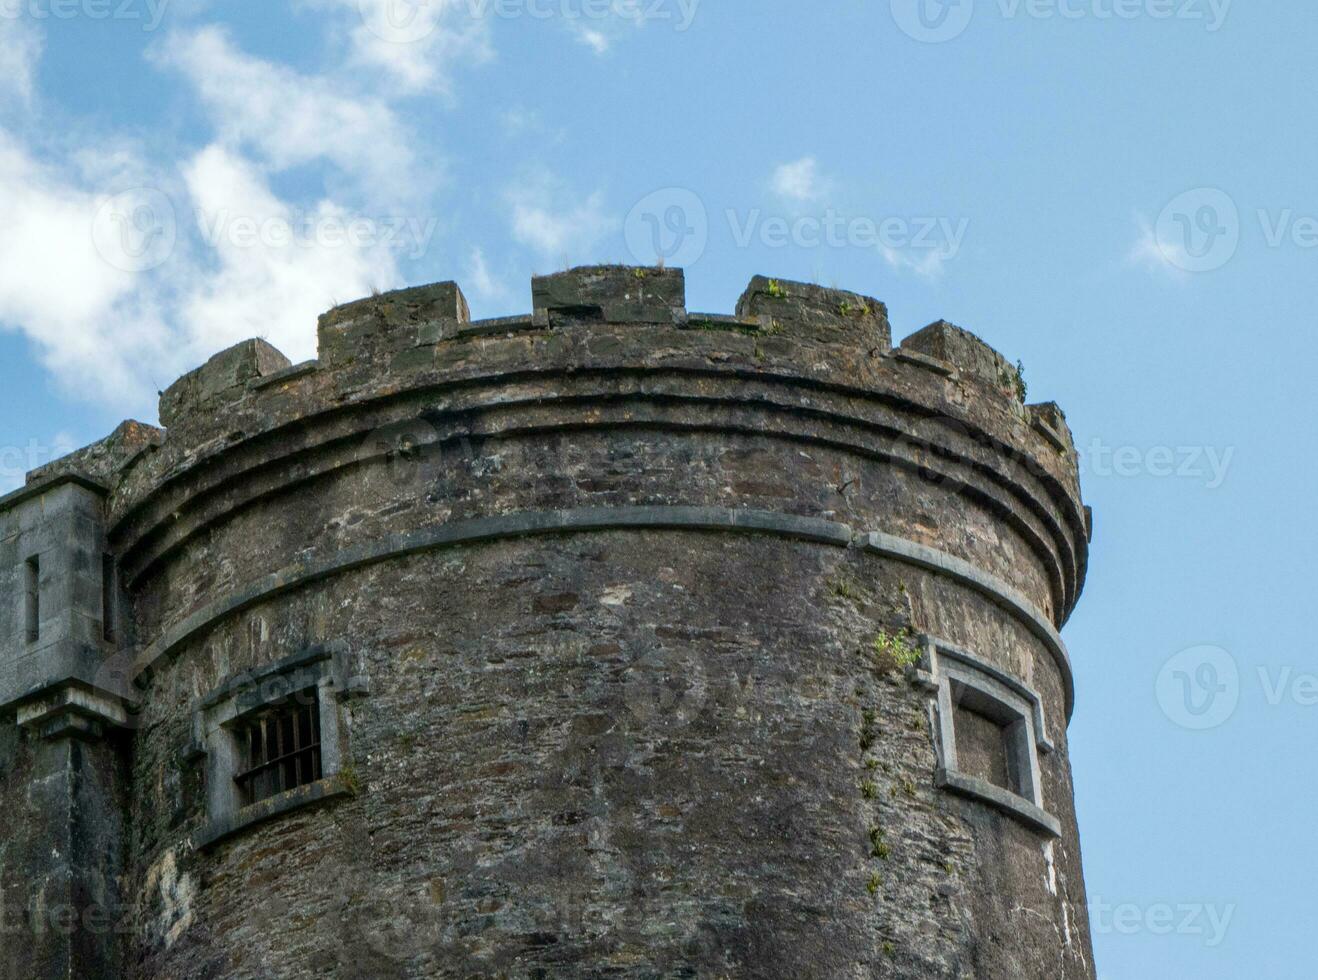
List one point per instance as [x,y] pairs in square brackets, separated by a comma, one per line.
[175,261]
[288,119]
[593,38]
[417,44]
[268,286]
[929,266]
[1156,256]
[94,337]
[20,50]
[554,223]
[481,280]
[800,181]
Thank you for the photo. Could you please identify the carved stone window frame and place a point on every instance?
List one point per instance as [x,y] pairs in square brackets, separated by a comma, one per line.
[956,676]
[216,721]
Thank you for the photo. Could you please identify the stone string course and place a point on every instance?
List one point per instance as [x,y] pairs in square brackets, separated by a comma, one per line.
[615,580]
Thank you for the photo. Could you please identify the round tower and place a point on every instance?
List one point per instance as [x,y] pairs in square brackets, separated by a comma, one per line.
[607,641]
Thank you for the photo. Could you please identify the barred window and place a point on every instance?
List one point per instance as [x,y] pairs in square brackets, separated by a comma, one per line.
[281,748]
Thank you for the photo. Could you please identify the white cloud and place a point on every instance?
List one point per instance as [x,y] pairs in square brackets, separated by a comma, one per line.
[594,39]
[125,270]
[928,267]
[417,43]
[555,226]
[90,323]
[20,49]
[115,331]
[288,119]
[269,282]
[482,280]
[1153,254]
[600,25]
[800,181]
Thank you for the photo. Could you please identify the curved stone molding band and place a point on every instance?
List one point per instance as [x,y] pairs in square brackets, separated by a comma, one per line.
[586,520]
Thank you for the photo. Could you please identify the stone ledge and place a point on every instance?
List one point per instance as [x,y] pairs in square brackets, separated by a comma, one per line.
[1029,497]
[988,585]
[72,699]
[595,519]
[927,361]
[284,375]
[324,790]
[1036,818]
[46,484]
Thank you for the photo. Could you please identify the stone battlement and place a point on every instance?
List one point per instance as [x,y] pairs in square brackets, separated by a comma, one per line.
[424,335]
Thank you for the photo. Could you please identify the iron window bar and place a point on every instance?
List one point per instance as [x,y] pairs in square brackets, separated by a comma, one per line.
[282,749]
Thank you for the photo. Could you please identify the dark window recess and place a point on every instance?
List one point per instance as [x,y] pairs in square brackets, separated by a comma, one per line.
[107,597]
[992,743]
[981,748]
[33,604]
[280,748]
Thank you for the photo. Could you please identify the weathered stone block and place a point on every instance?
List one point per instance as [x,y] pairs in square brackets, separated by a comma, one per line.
[383,325]
[610,294]
[218,378]
[967,353]
[102,460]
[1050,420]
[818,312]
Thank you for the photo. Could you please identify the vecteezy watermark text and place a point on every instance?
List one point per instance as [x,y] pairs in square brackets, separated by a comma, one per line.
[410,236]
[17,461]
[1195,919]
[1201,230]
[149,13]
[680,13]
[138,230]
[833,229]
[1208,464]
[672,226]
[933,21]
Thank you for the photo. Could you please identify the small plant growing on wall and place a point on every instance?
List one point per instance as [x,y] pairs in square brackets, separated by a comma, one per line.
[896,651]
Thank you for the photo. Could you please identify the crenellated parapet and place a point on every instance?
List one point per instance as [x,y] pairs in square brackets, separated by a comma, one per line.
[942,400]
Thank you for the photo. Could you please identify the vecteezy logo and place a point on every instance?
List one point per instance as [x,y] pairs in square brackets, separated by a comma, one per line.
[400,21]
[1199,231]
[665,688]
[135,230]
[1199,688]
[668,227]
[932,21]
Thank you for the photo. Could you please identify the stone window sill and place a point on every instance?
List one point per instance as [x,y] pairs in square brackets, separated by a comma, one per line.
[303,797]
[1036,818]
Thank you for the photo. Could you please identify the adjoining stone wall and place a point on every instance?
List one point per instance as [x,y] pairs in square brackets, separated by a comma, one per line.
[636,687]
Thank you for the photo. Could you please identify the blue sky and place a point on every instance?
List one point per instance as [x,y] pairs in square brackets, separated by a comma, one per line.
[1119,193]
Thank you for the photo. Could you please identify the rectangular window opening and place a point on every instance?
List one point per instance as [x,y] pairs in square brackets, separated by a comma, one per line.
[280,748]
[33,594]
[107,598]
[982,749]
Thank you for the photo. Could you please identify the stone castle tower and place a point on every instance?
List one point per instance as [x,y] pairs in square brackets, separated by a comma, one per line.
[609,641]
